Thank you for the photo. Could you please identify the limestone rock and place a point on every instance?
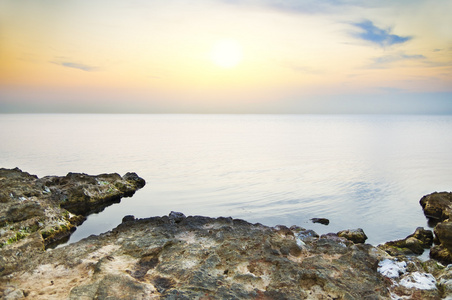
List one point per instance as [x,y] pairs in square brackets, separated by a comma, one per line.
[413,244]
[41,211]
[354,235]
[444,233]
[437,205]
[441,254]
[23,211]
[202,258]
[443,251]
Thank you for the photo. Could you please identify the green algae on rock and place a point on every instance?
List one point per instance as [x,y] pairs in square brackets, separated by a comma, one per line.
[52,206]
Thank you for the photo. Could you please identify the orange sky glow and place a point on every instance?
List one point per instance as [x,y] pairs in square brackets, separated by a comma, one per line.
[223,56]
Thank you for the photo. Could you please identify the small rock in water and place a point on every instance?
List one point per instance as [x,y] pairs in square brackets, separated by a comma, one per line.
[321,221]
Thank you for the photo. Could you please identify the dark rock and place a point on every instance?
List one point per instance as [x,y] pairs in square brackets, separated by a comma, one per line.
[437,205]
[128,218]
[424,236]
[443,251]
[413,244]
[133,177]
[354,235]
[84,194]
[441,254]
[443,232]
[322,221]
[176,217]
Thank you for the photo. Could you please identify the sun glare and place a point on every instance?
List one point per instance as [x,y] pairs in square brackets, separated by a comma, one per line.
[226,53]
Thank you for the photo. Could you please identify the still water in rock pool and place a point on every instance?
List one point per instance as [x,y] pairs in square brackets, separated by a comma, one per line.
[366,171]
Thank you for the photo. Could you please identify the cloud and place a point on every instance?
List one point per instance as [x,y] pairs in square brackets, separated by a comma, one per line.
[371,33]
[297,6]
[383,61]
[73,65]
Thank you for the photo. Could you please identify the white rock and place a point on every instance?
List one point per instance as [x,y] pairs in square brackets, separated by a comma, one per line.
[422,281]
[391,269]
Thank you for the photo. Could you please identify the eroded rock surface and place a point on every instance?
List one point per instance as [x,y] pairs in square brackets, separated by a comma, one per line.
[178,257]
[438,206]
[415,243]
[35,212]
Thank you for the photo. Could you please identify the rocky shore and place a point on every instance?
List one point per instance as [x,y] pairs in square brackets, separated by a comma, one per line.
[196,257]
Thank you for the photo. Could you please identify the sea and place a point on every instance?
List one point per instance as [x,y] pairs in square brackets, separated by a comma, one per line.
[358,171]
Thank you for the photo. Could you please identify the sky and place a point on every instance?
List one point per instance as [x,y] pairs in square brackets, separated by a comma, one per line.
[226,56]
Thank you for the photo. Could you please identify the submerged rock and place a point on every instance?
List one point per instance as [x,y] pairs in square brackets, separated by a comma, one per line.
[322,221]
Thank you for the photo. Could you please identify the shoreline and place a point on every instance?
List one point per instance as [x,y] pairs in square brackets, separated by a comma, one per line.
[155,257]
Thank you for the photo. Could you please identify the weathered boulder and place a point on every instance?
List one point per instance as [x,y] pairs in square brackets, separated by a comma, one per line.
[413,244]
[354,235]
[437,205]
[443,232]
[441,254]
[443,251]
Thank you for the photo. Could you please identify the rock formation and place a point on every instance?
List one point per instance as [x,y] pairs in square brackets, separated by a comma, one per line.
[217,258]
[41,211]
[415,243]
[438,206]
[179,257]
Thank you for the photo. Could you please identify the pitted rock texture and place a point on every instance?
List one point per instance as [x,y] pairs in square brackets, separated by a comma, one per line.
[209,258]
[438,207]
[36,212]
[415,243]
[200,257]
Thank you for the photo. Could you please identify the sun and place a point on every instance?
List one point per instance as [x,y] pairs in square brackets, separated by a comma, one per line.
[226,53]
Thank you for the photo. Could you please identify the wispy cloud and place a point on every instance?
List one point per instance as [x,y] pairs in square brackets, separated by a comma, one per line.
[297,6]
[74,65]
[382,37]
[386,60]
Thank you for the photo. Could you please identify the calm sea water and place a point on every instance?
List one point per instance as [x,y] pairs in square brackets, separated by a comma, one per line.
[356,170]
